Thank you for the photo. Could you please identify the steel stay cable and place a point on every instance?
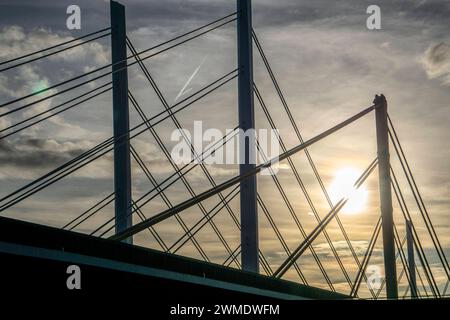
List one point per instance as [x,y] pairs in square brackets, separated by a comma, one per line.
[176,168]
[55,113]
[177,124]
[233,256]
[53,53]
[199,158]
[297,131]
[318,229]
[97,70]
[207,194]
[383,281]
[406,215]
[111,140]
[165,199]
[87,212]
[152,230]
[366,259]
[53,47]
[279,236]
[194,229]
[300,182]
[165,181]
[402,256]
[295,217]
[417,196]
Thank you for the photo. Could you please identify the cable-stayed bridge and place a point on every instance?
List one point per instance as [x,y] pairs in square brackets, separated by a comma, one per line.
[404,256]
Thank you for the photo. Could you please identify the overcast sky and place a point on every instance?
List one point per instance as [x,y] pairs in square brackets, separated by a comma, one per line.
[329,66]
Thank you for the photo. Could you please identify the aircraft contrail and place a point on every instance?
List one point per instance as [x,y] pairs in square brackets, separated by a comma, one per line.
[183,90]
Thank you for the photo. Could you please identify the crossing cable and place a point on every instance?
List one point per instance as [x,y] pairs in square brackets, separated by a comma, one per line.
[89,212]
[420,278]
[417,196]
[38,115]
[404,209]
[194,229]
[403,258]
[161,145]
[280,236]
[55,52]
[366,259]
[204,220]
[53,47]
[98,151]
[176,168]
[421,282]
[416,240]
[226,184]
[383,282]
[230,258]
[150,176]
[174,119]
[401,275]
[161,193]
[151,230]
[284,267]
[100,69]
[444,263]
[407,288]
[182,171]
[238,252]
[295,216]
[300,138]
[178,126]
[300,182]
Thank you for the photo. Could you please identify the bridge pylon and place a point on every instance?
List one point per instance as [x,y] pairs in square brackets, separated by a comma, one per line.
[121,127]
[384,177]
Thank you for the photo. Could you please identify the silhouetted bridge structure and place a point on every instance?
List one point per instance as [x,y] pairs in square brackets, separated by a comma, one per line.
[101,257]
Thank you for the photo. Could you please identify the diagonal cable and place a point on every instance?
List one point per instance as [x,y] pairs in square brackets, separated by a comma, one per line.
[417,196]
[300,183]
[165,199]
[295,218]
[178,126]
[366,260]
[300,138]
[416,240]
[284,267]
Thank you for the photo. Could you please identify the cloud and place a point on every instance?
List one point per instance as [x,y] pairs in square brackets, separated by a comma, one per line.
[324,250]
[436,62]
[14,42]
[29,154]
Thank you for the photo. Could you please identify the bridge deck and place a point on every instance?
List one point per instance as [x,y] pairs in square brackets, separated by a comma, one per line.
[35,256]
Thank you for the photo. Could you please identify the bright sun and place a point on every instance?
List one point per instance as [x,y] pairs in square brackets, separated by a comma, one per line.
[343,186]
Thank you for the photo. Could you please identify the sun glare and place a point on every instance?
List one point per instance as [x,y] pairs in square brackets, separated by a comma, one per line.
[343,186]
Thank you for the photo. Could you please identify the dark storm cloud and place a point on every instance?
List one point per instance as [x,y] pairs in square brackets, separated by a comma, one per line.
[35,153]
